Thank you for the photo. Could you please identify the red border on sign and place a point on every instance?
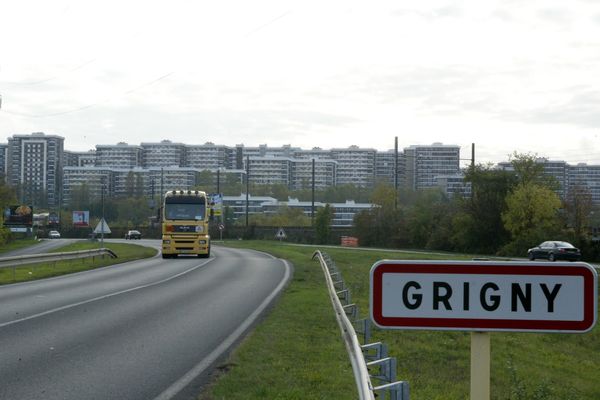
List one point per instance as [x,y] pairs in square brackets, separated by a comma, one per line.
[479,323]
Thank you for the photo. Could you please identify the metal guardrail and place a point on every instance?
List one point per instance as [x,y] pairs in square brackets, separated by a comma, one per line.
[15,261]
[369,356]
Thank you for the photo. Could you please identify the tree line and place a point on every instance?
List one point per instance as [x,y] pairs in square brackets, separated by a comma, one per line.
[507,213]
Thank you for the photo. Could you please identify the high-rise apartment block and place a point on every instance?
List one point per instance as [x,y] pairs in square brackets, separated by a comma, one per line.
[425,163]
[3,161]
[34,166]
[121,155]
[163,154]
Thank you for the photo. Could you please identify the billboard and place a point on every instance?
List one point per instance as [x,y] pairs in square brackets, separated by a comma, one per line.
[18,215]
[81,219]
[215,200]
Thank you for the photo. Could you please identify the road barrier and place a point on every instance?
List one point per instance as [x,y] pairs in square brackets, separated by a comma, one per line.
[369,356]
[7,262]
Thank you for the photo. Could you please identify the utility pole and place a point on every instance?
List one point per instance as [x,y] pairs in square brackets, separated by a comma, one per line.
[247,186]
[472,155]
[102,222]
[396,173]
[312,209]
[218,180]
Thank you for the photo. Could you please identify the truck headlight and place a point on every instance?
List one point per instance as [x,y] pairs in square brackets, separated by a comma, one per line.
[166,242]
[202,242]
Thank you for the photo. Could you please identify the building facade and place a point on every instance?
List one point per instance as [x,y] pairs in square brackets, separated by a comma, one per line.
[163,154]
[34,166]
[424,163]
[121,155]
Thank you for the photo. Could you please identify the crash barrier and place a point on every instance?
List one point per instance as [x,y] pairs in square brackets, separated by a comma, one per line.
[349,241]
[16,261]
[370,361]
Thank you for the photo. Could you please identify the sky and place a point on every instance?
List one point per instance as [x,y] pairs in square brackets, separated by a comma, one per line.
[509,76]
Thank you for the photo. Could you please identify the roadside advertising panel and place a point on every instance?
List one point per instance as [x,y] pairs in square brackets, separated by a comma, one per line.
[18,215]
[81,219]
[216,202]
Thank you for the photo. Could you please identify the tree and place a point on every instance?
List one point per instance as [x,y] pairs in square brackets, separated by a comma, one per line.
[578,207]
[323,220]
[531,215]
[80,197]
[479,227]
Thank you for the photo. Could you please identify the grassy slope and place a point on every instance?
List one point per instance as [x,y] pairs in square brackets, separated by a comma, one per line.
[125,252]
[297,353]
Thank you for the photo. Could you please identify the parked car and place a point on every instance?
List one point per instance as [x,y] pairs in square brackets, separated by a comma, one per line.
[133,235]
[54,235]
[555,250]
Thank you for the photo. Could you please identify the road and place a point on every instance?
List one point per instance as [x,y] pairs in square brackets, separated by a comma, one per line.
[150,329]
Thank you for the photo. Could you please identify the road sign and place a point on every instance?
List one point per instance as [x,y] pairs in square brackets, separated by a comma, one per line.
[221,227]
[484,296]
[280,234]
[102,227]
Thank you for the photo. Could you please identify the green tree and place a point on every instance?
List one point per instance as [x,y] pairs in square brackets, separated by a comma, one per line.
[323,220]
[531,215]
[80,197]
[479,227]
[130,184]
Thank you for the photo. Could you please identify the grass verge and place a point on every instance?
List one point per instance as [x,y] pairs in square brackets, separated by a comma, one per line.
[125,252]
[297,353]
[17,245]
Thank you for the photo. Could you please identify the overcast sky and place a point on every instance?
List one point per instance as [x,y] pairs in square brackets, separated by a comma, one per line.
[506,75]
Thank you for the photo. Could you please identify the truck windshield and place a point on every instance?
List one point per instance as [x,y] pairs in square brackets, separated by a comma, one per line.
[185,208]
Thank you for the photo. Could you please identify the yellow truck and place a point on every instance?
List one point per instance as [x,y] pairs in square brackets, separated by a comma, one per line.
[185,216]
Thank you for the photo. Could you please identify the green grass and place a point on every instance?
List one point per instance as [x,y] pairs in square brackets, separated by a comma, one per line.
[17,245]
[125,252]
[297,353]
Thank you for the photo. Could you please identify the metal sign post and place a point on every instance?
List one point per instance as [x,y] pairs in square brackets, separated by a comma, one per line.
[482,297]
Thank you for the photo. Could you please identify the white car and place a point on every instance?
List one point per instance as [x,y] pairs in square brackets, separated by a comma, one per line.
[54,235]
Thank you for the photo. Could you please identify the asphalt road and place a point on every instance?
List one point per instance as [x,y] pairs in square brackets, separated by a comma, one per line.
[150,329]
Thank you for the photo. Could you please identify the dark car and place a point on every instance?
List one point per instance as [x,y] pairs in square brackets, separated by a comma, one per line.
[133,235]
[555,250]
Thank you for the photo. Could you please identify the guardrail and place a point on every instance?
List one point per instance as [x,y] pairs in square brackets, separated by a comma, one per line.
[369,355]
[15,261]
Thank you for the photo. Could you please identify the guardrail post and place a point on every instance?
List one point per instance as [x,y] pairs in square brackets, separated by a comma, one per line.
[387,369]
[397,390]
[381,351]
[364,327]
[351,310]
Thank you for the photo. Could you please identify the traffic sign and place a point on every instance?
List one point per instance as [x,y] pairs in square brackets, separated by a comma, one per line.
[280,234]
[484,296]
[102,227]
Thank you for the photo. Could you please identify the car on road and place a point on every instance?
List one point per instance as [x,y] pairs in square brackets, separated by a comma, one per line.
[130,235]
[54,235]
[555,250]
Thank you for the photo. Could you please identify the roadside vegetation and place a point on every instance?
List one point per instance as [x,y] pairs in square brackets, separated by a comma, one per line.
[125,252]
[297,352]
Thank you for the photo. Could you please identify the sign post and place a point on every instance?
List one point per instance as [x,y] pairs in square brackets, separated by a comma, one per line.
[482,297]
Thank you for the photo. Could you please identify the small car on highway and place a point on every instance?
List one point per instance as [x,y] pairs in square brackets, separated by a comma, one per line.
[54,235]
[555,250]
[130,235]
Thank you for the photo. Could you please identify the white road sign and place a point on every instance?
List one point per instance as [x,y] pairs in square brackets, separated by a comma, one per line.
[484,296]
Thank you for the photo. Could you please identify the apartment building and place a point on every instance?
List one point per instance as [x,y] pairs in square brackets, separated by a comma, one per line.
[302,173]
[121,155]
[80,158]
[424,163]
[94,179]
[355,166]
[385,162]
[270,170]
[3,160]
[34,165]
[163,154]
[210,156]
